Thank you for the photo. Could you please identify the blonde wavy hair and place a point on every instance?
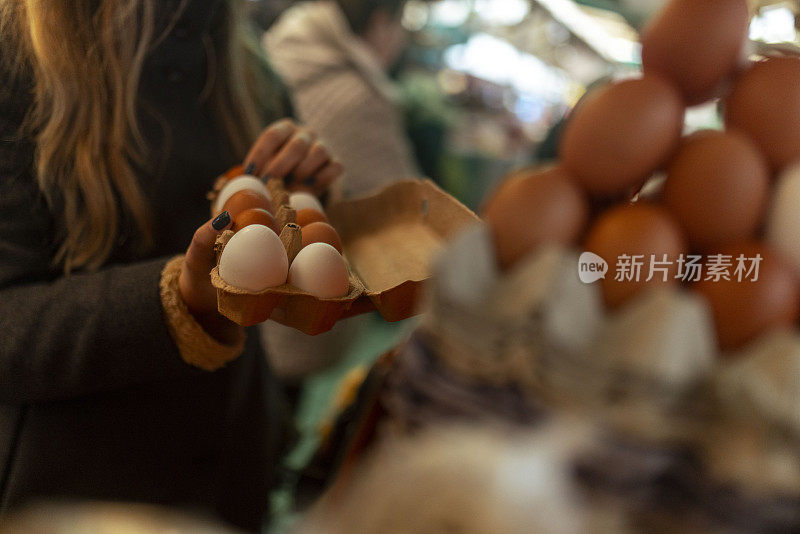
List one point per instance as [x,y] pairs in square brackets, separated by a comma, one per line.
[86,59]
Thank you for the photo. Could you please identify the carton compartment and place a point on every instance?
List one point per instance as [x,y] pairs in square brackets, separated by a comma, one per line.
[388,257]
[284,304]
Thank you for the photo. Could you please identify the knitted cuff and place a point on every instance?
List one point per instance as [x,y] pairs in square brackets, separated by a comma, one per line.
[195,345]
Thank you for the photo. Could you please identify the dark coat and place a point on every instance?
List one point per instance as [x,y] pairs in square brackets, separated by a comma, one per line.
[95,401]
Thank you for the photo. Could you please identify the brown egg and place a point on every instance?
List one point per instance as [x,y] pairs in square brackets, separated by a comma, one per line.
[244,200]
[641,232]
[717,188]
[765,104]
[696,44]
[540,206]
[321,232]
[308,216]
[621,133]
[254,216]
[234,172]
[743,310]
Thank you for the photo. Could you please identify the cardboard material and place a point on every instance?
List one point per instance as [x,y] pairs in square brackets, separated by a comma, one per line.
[389,239]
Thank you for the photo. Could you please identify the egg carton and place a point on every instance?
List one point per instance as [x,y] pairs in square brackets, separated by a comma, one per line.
[649,373]
[389,240]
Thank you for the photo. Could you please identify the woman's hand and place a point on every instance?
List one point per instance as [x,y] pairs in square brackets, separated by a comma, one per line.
[286,150]
[194,283]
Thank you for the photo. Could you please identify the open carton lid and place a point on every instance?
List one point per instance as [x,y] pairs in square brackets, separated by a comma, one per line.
[389,239]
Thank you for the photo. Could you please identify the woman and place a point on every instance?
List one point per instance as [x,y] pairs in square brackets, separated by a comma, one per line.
[118,378]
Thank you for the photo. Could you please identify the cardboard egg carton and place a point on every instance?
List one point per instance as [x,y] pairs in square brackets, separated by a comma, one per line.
[389,241]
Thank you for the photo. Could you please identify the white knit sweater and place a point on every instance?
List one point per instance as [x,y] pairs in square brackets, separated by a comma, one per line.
[341,92]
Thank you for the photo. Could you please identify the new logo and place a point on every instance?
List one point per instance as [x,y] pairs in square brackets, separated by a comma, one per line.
[591,268]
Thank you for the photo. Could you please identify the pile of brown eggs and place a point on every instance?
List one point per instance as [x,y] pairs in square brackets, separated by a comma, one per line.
[728,205]
[293,243]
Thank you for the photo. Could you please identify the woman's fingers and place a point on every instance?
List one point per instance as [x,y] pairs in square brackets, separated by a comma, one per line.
[200,254]
[317,157]
[195,283]
[326,176]
[268,144]
[291,154]
[286,150]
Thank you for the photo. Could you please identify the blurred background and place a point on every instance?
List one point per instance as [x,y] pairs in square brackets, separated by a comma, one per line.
[485,83]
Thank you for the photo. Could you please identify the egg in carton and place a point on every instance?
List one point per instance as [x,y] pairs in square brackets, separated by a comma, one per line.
[388,240]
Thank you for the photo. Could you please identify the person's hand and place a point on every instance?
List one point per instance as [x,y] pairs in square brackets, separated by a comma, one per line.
[194,283]
[286,150]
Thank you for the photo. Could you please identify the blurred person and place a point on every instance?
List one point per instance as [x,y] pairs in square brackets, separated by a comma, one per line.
[334,55]
[119,380]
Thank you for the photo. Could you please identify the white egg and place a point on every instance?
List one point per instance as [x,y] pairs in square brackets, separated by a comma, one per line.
[301,201]
[237,184]
[254,259]
[783,225]
[319,269]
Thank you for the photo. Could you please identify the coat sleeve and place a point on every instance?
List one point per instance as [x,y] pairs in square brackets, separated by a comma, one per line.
[65,336]
[83,334]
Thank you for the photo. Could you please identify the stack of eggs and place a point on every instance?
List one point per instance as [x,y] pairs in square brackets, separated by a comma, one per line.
[729,201]
[294,244]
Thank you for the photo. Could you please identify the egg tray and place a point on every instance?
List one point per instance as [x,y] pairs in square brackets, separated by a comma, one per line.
[389,240]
